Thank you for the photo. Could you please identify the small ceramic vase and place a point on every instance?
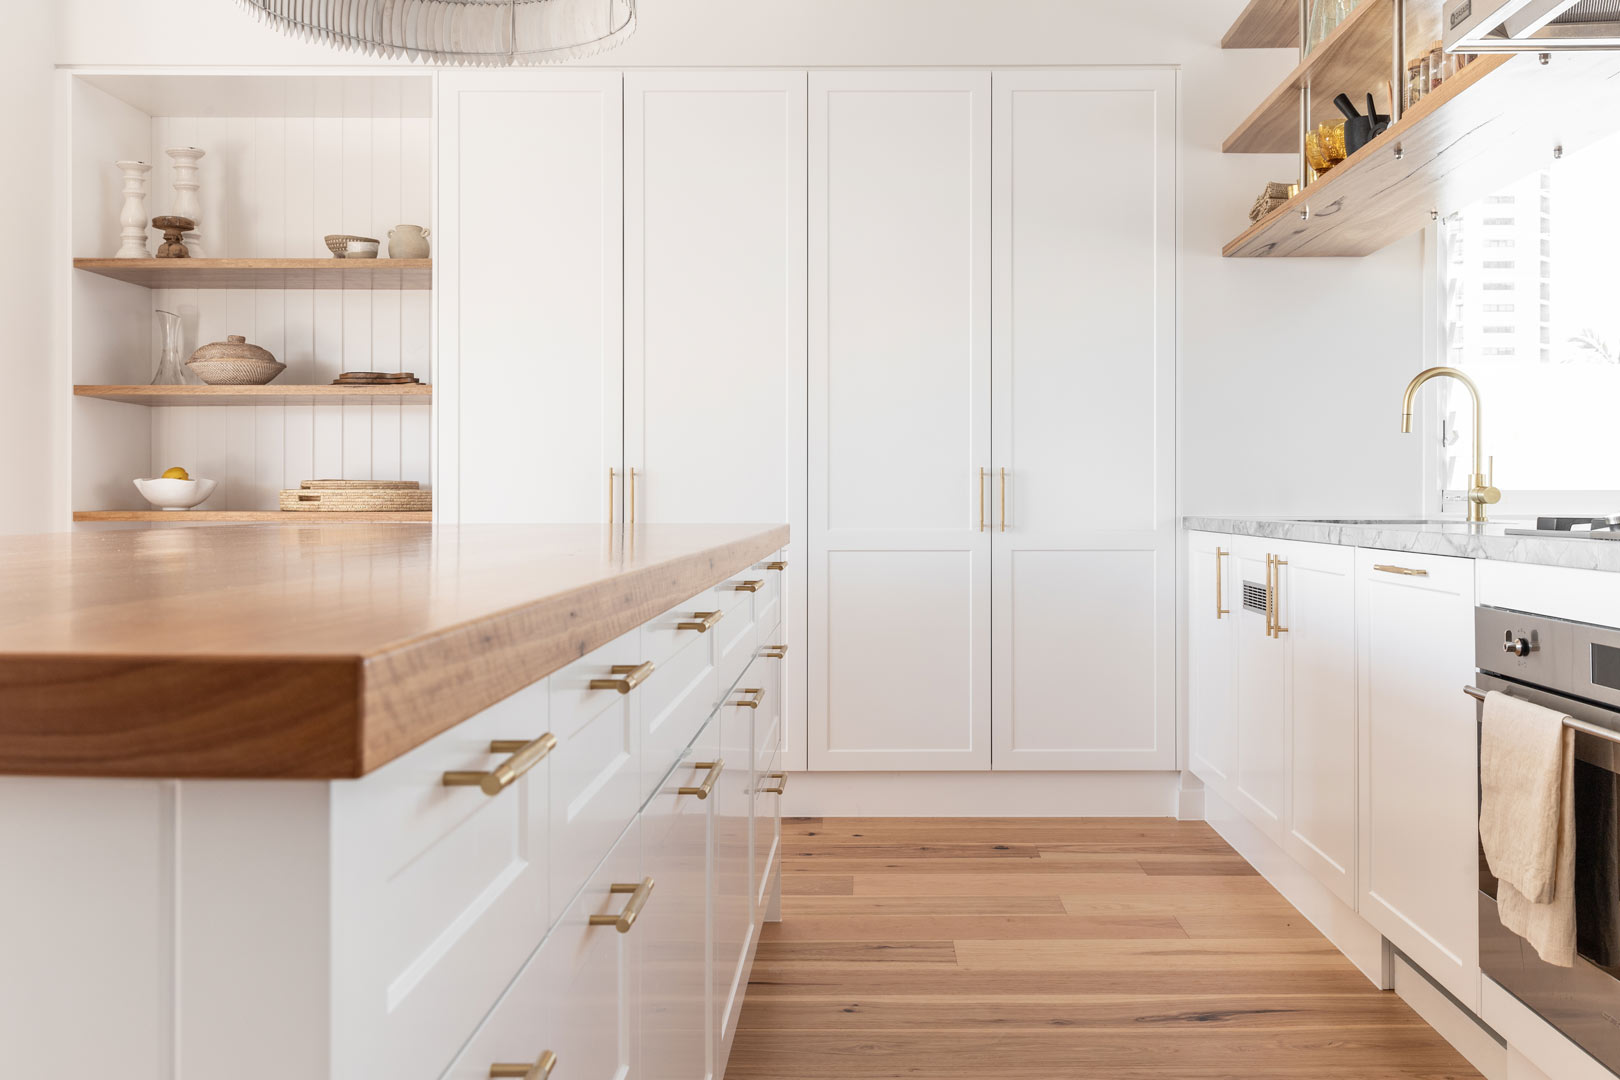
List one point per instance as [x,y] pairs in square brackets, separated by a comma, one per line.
[133,215]
[407,242]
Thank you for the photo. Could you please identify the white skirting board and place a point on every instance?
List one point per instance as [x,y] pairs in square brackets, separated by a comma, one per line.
[983,794]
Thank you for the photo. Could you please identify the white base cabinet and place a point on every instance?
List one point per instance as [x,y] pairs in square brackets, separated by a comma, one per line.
[1419,754]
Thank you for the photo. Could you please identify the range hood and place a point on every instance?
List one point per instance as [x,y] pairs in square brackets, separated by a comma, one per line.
[1478,26]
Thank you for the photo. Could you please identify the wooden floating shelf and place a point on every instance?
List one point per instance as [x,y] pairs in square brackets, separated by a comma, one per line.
[1356,58]
[1485,127]
[1265,24]
[279,517]
[266,273]
[270,394]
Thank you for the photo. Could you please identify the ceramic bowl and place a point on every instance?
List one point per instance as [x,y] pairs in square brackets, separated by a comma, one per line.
[361,249]
[175,494]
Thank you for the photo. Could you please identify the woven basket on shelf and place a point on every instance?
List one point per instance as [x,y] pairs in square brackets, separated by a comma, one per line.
[352,500]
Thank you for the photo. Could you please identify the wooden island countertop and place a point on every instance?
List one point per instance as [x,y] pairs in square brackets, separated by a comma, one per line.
[318,652]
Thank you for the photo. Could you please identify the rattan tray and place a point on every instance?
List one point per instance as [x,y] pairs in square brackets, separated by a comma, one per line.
[353,499]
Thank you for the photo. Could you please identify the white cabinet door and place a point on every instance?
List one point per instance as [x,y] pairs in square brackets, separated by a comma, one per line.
[899,419]
[1317,605]
[1419,752]
[1212,660]
[715,309]
[529,296]
[677,1027]
[1261,791]
[1084,273]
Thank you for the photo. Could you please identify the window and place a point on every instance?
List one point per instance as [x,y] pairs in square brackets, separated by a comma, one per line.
[1541,336]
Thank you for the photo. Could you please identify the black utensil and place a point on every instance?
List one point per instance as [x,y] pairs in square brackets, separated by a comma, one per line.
[1360,130]
[1342,103]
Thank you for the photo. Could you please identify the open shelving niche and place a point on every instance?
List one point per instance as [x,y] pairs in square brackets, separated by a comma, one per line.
[1498,118]
[289,159]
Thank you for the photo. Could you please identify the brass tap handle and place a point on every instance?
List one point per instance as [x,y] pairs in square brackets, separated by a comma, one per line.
[749,703]
[628,677]
[525,756]
[781,784]
[701,621]
[625,919]
[750,586]
[703,790]
[540,1070]
[1219,610]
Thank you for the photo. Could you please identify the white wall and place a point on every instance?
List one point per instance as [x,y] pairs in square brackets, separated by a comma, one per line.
[1291,368]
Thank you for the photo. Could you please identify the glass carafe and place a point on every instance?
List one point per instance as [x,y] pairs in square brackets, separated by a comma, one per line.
[170,372]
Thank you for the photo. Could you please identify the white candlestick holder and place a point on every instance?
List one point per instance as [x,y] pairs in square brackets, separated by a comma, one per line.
[133,215]
[187,203]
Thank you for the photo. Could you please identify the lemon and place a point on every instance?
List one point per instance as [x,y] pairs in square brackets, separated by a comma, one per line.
[176,473]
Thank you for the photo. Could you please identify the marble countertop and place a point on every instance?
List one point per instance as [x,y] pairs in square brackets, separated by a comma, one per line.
[1427,536]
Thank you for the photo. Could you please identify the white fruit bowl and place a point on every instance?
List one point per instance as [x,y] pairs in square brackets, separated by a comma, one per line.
[175,494]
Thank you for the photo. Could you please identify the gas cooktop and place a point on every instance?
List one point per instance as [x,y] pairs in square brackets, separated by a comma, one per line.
[1577,528]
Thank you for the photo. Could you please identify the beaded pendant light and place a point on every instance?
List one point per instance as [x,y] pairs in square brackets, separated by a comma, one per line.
[489,33]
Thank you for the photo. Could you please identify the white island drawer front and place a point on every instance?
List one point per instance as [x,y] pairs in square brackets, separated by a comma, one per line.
[577,997]
[769,784]
[596,768]
[438,892]
[674,703]
[667,634]
[768,601]
[737,633]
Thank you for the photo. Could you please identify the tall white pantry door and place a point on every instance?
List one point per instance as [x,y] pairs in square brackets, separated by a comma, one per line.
[899,419]
[1083,392]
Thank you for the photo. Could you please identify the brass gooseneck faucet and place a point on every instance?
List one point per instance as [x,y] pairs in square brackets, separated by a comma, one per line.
[1480,490]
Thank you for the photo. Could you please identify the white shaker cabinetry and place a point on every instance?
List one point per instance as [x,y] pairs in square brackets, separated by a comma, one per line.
[1261,790]
[1083,419]
[1213,597]
[1419,755]
[529,297]
[899,420]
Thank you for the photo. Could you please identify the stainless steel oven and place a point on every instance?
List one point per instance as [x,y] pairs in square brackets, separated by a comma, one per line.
[1574,668]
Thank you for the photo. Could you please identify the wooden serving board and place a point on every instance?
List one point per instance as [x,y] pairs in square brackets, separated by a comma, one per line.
[350,500]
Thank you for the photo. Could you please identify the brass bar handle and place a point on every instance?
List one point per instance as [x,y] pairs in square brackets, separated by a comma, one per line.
[981,498]
[611,474]
[773,652]
[703,790]
[701,621]
[1219,610]
[1406,570]
[781,784]
[1004,498]
[1277,563]
[751,703]
[1270,591]
[627,677]
[625,919]
[632,496]
[750,586]
[540,1070]
[776,564]
[525,756]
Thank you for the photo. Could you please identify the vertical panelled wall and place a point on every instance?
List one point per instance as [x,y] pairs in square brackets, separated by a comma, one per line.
[273,186]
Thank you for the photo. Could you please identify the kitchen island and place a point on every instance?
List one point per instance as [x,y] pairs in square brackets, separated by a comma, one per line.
[404,801]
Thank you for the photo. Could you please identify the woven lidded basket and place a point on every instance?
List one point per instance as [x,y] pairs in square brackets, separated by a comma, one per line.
[233,362]
[356,499]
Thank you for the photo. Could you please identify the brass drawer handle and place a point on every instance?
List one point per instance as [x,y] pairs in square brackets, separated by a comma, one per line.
[625,919]
[630,676]
[773,652]
[781,784]
[779,564]
[540,1070]
[1219,610]
[704,789]
[981,498]
[1274,566]
[753,703]
[525,756]
[750,586]
[1408,571]
[701,621]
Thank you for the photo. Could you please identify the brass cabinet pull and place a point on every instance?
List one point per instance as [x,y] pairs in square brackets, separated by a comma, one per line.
[1273,594]
[752,703]
[1219,610]
[1270,592]
[701,621]
[610,495]
[1407,570]
[981,498]
[773,652]
[777,564]
[525,756]
[750,586]
[540,1070]
[625,919]
[632,496]
[702,790]
[629,676]
[1004,498]
[781,784]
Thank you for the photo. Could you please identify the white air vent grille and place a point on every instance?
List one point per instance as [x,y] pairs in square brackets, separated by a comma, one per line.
[1254,597]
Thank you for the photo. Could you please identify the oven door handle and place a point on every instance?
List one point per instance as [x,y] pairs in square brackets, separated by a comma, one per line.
[1569,721]
[1474,692]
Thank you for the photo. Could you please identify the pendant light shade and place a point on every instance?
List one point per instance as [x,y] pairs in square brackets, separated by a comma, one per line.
[490,33]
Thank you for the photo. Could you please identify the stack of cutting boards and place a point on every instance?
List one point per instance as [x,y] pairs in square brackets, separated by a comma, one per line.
[350,496]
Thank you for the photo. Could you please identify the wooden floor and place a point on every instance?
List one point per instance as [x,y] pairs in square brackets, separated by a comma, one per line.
[1002,949]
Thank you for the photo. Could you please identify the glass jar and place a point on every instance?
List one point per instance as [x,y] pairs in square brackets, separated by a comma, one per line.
[170,372]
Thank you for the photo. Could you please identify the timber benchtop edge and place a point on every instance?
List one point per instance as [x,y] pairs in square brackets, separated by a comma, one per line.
[312,652]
